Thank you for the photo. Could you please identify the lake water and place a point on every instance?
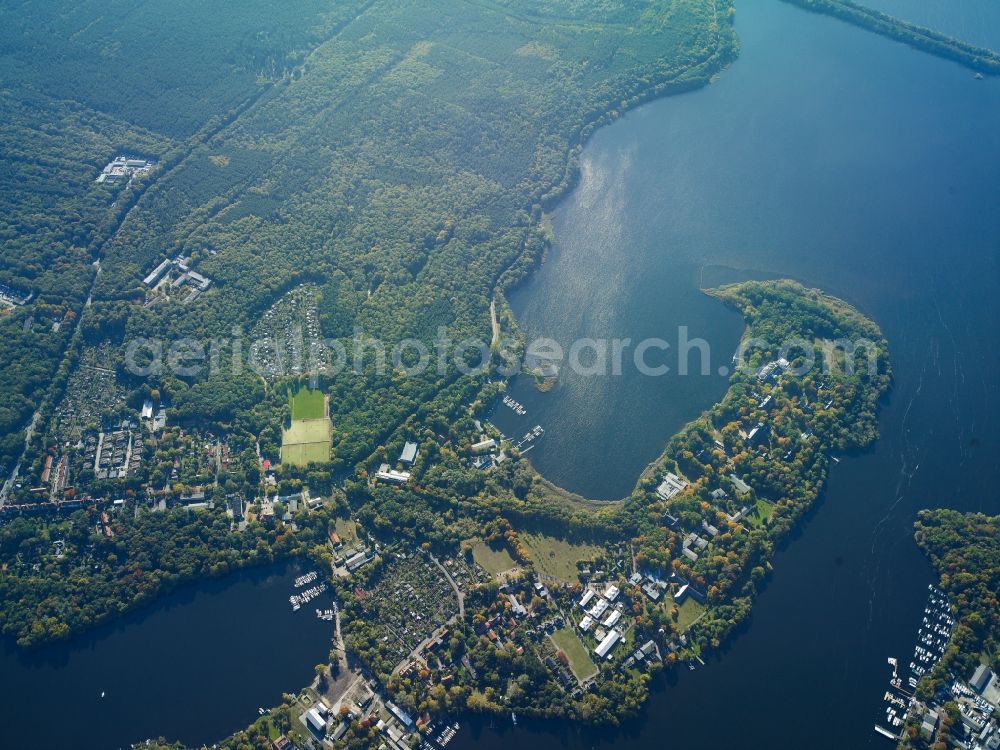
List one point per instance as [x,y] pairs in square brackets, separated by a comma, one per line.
[193,667]
[973,21]
[849,162]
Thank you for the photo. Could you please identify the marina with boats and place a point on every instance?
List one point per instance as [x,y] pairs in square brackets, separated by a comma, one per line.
[435,740]
[309,577]
[307,595]
[514,406]
[932,639]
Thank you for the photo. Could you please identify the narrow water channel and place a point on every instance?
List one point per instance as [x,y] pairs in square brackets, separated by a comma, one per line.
[193,667]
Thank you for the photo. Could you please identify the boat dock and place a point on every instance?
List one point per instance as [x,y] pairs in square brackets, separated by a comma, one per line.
[297,600]
[932,639]
[515,406]
[307,578]
[530,437]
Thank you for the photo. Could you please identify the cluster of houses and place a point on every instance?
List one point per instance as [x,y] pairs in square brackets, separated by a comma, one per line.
[694,544]
[118,454]
[412,600]
[92,393]
[653,588]
[606,619]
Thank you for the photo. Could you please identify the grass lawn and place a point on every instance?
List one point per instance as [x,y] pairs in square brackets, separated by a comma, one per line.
[495,561]
[688,612]
[760,513]
[557,557]
[579,658]
[347,530]
[306,441]
[308,404]
[272,731]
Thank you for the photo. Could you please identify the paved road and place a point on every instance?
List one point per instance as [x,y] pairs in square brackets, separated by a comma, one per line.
[454,587]
[28,432]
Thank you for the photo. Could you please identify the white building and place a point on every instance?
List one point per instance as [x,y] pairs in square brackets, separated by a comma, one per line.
[157,272]
[603,649]
[315,721]
[670,486]
[612,593]
[409,454]
[385,474]
[484,446]
[612,619]
[587,596]
[599,609]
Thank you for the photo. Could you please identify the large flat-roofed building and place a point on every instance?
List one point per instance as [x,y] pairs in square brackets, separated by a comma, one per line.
[981,678]
[603,649]
[742,488]
[157,272]
[588,595]
[670,486]
[404,718]
[385,474]
[358,559]
[316,722]
[484,445]
[409,454]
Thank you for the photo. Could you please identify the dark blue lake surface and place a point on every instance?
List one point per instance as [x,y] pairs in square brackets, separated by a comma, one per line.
[849,162]
[193,667]
[973,21]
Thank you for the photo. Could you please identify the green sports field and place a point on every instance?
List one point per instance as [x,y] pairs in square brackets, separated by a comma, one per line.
[306,441]
[308,404]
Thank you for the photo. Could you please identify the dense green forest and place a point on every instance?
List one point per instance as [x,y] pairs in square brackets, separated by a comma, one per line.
[82,84]
[398,155]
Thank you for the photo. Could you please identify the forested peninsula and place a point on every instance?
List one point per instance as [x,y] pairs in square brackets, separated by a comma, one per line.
[979,59]
[964,549]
